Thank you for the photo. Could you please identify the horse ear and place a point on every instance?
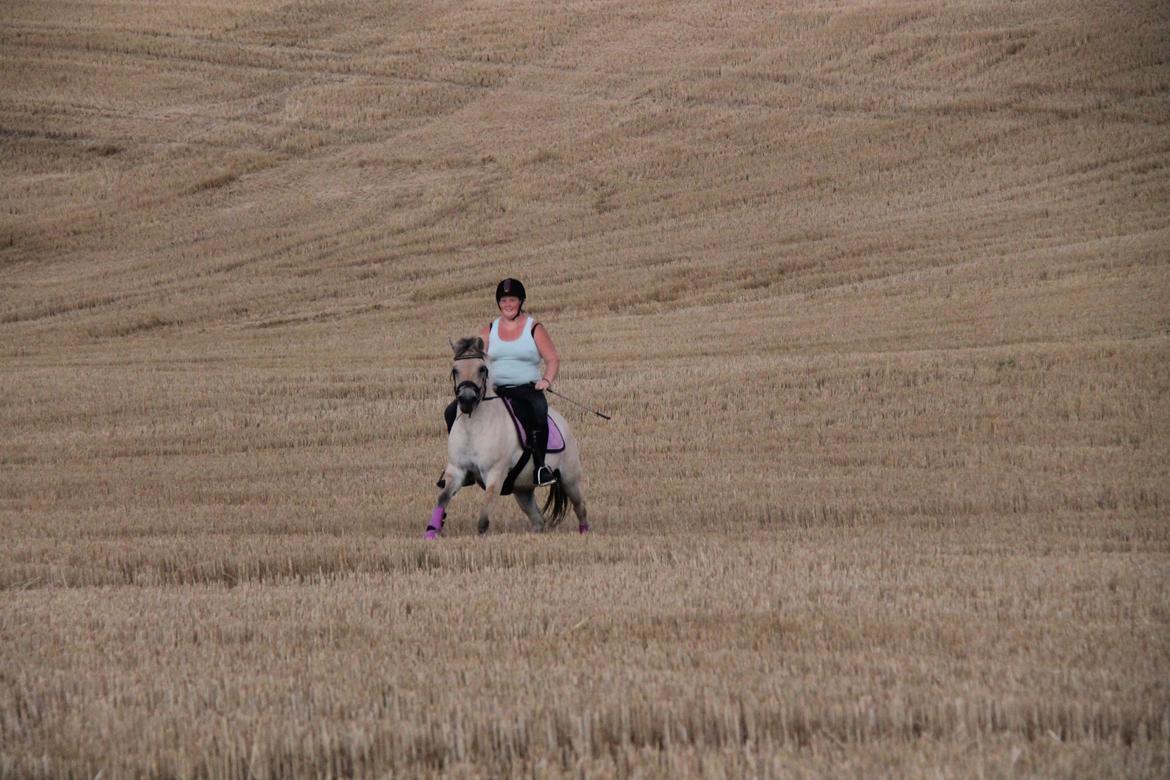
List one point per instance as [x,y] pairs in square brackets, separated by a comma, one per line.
[452,343]
[479,343]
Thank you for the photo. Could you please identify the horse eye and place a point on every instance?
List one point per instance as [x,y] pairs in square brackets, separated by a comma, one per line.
[483,369]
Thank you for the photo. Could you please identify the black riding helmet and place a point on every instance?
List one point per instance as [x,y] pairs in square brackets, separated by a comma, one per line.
[512,287]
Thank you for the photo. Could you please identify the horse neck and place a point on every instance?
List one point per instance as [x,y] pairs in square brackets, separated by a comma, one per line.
[486,413]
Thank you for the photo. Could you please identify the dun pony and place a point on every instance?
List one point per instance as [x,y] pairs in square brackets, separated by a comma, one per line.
[483,447]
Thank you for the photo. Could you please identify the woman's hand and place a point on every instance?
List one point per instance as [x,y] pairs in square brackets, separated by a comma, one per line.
[543,384]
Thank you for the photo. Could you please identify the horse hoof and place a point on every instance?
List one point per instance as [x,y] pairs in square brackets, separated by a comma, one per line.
[583,528]
[432,533]
[483,528]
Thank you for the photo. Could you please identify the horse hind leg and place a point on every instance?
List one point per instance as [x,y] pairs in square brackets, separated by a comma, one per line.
[573,490]
[527,501]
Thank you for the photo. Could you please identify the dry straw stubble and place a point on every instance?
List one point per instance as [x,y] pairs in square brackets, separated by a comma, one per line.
[876,296]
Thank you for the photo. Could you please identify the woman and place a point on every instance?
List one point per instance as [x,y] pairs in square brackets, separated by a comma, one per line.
[515,345]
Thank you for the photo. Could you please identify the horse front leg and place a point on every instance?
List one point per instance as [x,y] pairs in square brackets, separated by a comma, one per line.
[452,482]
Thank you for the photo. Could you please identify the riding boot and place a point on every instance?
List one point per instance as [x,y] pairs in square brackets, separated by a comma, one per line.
[538,442]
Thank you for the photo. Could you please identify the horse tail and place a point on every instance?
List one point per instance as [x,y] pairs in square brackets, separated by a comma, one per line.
[558,501]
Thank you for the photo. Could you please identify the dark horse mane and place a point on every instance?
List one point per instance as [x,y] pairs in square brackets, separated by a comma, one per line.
[468,347]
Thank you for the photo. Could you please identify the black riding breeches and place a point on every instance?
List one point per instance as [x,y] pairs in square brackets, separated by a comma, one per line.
[532,408]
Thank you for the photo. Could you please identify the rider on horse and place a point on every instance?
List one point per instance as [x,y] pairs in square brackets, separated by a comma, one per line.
[516,345]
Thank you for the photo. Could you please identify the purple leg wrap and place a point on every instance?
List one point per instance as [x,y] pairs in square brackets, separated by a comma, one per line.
[436,523]
[583,528]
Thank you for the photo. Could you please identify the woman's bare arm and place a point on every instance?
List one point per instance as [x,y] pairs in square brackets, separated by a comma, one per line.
[548,353]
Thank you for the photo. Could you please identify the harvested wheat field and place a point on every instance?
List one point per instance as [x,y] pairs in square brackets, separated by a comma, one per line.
[877,295]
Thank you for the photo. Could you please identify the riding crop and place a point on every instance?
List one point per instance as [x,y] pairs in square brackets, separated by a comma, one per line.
[583,406]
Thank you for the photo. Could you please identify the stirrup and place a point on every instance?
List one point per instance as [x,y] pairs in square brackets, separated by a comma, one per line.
[549,477]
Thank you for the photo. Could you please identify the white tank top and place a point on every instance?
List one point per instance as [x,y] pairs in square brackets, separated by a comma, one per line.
[513,362]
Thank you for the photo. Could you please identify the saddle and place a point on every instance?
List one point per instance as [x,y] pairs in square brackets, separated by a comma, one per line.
[555,442]
[556,439]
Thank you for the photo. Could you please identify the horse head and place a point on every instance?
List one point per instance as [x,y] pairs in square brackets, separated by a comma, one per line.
[469,373]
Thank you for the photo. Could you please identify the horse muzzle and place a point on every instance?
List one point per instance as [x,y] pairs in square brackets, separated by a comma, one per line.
[467,396]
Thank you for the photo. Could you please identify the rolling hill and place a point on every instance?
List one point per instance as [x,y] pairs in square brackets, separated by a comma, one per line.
[877,293]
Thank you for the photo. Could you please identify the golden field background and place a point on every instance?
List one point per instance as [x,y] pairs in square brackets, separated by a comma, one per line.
[876,293]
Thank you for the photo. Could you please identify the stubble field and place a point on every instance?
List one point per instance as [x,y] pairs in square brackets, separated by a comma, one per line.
[877,294]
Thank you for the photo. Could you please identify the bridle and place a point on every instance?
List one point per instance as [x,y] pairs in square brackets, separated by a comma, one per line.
[480,388]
